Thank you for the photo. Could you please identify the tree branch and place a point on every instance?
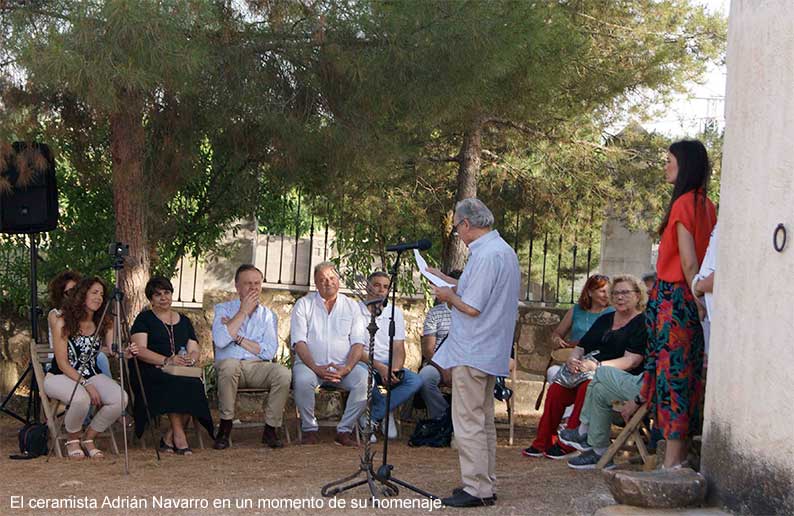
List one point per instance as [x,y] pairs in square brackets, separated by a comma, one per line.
[515,125]
[433,159]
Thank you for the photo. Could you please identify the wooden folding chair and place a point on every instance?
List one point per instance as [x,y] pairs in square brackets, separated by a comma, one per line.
[39,356]
[513,384]
[630,432]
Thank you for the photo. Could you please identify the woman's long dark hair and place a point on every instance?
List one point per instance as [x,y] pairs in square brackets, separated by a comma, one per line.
[74,307]
[57,285]
[694,171]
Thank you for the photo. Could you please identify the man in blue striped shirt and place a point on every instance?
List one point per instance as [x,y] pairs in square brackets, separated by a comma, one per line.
[245,335]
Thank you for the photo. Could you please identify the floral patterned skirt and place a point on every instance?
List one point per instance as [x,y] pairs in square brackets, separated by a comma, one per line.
[674,365]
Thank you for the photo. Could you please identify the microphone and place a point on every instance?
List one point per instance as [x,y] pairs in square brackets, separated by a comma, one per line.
[422,245]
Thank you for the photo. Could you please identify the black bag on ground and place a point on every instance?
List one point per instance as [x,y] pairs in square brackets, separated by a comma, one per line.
[436,433]
[33,439]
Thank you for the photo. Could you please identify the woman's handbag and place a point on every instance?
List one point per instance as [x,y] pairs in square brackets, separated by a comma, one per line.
[569,380]
[176,370]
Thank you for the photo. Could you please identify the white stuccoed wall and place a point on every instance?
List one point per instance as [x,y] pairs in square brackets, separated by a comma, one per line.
[748,446]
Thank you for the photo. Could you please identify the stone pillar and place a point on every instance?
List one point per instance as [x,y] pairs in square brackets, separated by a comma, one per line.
[748,441]
[624,251]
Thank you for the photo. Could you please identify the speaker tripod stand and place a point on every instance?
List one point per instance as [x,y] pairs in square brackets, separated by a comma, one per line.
[33,398]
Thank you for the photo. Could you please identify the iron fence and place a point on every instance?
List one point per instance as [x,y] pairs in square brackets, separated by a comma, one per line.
[554,261]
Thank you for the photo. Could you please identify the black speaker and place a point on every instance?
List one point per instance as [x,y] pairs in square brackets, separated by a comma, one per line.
[28,192]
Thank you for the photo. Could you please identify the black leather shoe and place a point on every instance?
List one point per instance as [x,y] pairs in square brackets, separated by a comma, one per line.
[458,490]
[270,437]
[224,431]
[166,448]
[464,499]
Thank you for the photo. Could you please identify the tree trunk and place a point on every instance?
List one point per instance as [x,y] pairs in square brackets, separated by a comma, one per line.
[455,251]
[127,148]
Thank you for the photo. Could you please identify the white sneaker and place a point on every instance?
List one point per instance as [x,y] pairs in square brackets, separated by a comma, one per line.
[392,432]
[362,425]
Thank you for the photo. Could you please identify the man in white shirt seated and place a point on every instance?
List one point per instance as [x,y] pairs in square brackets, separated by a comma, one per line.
[328,333]
[245,336]
[404,382]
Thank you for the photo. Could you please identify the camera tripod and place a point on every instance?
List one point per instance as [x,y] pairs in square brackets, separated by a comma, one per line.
[119,345]
[383,475]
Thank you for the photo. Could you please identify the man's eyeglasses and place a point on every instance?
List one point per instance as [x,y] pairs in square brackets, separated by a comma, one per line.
[455,228]
[623,293]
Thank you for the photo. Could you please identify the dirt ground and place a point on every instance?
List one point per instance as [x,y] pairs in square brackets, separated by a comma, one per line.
[271,480]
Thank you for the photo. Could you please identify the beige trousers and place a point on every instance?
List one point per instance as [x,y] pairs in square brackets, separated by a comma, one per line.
[60,387]
[253,374]
[475,431]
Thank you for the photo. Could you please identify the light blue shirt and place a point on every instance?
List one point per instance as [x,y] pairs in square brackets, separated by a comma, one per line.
[490,283]
[260,327]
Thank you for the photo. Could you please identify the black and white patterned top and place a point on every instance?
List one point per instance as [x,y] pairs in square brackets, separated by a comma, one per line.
[81,352]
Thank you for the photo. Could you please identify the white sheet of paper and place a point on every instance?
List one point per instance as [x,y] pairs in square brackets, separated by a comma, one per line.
[432,278]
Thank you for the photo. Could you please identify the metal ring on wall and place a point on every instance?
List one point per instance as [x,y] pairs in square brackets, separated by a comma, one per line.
[776,243]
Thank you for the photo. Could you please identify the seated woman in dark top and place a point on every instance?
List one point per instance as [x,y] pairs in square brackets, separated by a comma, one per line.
[163,336]
[619,337]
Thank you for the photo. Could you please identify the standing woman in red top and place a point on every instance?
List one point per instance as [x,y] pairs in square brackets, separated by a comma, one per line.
[673,381]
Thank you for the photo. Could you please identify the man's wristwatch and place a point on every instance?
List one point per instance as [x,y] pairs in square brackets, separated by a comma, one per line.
[83,382]
[638,400]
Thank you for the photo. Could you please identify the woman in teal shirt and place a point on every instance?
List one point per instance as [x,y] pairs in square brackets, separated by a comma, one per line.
[593,303]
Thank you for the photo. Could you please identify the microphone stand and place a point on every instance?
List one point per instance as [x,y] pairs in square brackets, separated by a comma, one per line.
[367,457]
[384,473]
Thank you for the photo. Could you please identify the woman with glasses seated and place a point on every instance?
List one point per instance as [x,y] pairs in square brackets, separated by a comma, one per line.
[619,339]
[164,336]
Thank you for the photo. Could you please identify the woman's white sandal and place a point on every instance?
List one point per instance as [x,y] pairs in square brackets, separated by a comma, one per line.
[75,454]
[94,453]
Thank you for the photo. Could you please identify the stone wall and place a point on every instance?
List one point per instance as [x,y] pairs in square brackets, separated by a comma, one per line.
[14,348]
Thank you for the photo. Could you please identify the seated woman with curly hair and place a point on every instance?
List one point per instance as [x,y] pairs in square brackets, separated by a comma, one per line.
[58,288]
[74,376]
[164,336]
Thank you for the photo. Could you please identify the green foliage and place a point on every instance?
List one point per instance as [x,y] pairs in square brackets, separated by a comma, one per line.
[354,109]
[403,82]
[14,273]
